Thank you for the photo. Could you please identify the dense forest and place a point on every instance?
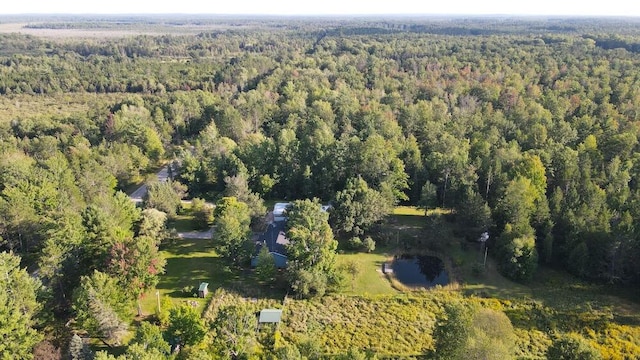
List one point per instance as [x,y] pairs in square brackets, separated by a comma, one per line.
[525,128]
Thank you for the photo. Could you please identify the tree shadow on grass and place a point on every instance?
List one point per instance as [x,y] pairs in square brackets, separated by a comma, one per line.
[191,271]
[184,272]
[184,247]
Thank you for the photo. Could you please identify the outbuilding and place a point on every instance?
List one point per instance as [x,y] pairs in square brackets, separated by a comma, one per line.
[270,316]
[203,290]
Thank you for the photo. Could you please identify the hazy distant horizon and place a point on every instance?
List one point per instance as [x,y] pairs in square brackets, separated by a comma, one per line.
[613,8]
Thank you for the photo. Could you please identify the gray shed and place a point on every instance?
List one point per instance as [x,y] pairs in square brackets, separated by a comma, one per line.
[203,290]
[270,316]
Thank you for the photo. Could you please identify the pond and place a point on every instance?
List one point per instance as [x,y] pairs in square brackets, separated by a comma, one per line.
[427,271]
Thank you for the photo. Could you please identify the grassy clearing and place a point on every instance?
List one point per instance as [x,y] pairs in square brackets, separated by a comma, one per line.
[192,261]
[398,325]
[55,105]
[189,262]
[408,211]
[407,216]
[182,223]
[554,301]
[369,279]
[550,287]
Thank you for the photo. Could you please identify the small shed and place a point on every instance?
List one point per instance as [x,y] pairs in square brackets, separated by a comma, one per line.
[387,268]
[203,290]
[270,316]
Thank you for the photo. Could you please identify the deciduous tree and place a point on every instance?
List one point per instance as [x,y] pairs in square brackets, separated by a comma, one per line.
[235,327]
[311,249]
[358,207]
[185,326]
[165,196]
[233,231]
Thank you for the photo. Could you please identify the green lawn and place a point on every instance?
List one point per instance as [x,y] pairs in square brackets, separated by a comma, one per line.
[369,279]
[192,261]
[182,222]
[189,262]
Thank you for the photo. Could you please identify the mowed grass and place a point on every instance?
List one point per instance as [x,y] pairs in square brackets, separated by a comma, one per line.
[182,223]
[413,216]
[369,279]
[408,216]
[189,262]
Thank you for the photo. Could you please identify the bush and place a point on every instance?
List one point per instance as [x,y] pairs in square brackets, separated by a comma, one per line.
[188,291]
[357,244]
[369,244]
[477,269]
[202,213]
[165,306]
[572,347]
[354,243]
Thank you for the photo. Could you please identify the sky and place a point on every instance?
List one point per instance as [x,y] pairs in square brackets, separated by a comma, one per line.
[326,7]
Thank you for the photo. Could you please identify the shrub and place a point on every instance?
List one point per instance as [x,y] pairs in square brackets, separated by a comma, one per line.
[202,213]
[477,269]
[369,244]
[571,347]
[188,291]
[355,243]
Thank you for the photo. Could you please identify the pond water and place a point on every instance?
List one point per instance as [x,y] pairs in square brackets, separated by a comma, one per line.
[427,271]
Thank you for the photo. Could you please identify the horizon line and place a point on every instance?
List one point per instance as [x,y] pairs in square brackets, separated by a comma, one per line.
[523,15]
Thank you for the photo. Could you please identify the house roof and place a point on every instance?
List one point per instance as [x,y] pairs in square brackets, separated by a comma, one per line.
[203,286]
[275,238]
[279,260]
[270,316]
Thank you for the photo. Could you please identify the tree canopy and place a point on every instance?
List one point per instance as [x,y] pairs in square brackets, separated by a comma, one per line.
[19,308]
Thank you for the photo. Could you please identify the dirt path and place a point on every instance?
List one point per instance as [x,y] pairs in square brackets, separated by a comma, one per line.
[139,193]
[163,175]
[196,234]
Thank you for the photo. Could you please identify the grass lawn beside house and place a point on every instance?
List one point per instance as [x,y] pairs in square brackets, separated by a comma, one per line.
[369,280]
[189,262]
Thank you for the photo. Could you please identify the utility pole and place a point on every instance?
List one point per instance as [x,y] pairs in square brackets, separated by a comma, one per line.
[484,263]
[483,240]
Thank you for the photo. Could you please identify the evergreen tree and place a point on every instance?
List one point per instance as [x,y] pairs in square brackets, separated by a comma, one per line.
[79,349]
[18,307]
[101,305]
[266,266]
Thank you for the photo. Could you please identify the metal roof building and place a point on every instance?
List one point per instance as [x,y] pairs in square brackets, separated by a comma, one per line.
[270,316]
